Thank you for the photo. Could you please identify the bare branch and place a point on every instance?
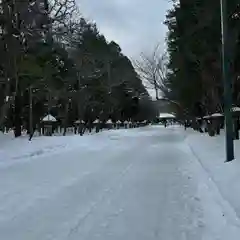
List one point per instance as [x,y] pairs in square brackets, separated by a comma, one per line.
[152,69]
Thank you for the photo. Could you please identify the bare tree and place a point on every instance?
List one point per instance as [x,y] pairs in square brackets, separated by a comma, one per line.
[62,10]
[64,18]
[152,68]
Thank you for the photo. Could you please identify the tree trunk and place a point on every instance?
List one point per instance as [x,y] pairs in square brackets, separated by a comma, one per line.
[65,119]
[17,117]
[7,103]
[32,133]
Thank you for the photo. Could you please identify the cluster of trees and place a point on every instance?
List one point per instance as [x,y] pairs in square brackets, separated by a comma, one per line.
[194,78]
[54,61]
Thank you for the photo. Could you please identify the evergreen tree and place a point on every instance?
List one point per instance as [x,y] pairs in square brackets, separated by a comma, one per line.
[58,63]
[194,49]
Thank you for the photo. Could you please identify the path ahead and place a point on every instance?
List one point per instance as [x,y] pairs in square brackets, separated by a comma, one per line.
[141,184]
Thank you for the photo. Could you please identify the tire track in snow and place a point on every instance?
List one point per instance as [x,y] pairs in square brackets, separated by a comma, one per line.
[95,204]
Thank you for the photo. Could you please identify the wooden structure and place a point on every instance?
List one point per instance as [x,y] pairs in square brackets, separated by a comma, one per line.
[48,123]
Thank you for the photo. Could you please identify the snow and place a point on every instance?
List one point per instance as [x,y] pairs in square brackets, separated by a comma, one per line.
[146,183]
[210,152]
[49,118]
[96,121]
[79,121]
[166,115]
[217,115]
[236,109]
[109,121]
[214,115]
[25,150]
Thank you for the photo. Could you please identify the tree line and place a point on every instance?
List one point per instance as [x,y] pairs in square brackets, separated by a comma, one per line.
[194,72]
[54,61]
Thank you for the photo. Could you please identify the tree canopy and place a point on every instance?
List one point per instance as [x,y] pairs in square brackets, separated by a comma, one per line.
[57,62]
[194,49]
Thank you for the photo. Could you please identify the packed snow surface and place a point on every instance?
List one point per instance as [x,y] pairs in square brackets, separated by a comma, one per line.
[141,184]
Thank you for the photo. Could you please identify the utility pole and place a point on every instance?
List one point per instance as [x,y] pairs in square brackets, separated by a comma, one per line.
[227,83]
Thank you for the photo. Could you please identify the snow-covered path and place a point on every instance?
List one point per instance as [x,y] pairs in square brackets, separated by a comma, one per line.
[141,184]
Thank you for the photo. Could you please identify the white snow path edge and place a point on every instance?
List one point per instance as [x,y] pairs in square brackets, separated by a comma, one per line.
[229,212]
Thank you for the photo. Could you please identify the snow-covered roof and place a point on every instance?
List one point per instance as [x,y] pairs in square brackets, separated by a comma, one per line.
[118,121]
[236,109]
[166,115]
[125,122]
[79,121]
[214,115]
[49,118]
[96,121]
[217,115]
[109,121]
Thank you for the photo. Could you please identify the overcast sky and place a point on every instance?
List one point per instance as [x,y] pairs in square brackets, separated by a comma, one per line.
[136,25]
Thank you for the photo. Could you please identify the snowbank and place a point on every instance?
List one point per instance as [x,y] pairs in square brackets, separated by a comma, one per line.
[14,150]
[210,151]
[20,149]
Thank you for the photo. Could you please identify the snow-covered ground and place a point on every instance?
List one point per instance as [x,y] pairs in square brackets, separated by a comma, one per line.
[211,154]
[147,183]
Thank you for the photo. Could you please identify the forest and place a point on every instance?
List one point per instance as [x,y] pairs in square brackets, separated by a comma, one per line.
[54,61]
[194,68]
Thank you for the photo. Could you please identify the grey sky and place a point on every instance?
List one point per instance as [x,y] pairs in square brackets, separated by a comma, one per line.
[136,25]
